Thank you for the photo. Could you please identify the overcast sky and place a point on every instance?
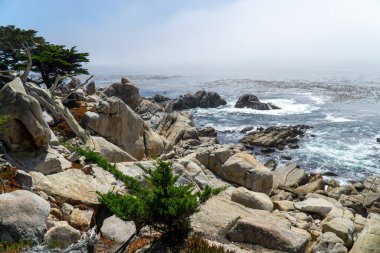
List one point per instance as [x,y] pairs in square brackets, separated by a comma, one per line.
[208,35]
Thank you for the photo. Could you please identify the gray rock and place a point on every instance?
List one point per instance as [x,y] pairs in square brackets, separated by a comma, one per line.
[117,229]
[27,129]
[368,240]
[24,179]
[90,88]
[269,231]
[251,101]
[23,216]
[291,175]
[342,227]
[319,206]
[61,236]
[202,98]
[243,169]
[126,91]
[329,243]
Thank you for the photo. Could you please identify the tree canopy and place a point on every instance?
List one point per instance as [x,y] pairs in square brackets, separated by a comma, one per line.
[48,60]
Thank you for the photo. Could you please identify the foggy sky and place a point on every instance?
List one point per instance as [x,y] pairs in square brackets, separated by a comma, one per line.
[212,36]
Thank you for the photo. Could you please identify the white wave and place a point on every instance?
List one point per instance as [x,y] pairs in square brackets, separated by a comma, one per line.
[288,107]
[330,117]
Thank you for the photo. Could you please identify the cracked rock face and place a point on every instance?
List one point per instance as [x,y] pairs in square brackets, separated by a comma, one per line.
[26,129]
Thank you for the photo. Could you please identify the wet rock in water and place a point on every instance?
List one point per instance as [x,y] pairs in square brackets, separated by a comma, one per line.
[275,137]
[246,129]
[267,150]
[329,174]
[159,98]
[207,132]
[271,164]
[378,139]
[23,217]
[126,91]
[251,101]
[286,157]
[202,98]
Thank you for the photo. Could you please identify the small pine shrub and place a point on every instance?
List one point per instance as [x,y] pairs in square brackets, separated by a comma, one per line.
[162,205]
[197,244]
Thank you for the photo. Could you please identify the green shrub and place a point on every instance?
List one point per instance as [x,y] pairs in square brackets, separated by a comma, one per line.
[197,244]
[163,205]
[3,120]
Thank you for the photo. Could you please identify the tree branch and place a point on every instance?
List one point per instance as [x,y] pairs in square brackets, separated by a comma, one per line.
[25,75]
[77,88]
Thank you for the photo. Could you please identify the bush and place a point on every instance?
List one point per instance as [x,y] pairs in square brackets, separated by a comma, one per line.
[197,244]
[163,205]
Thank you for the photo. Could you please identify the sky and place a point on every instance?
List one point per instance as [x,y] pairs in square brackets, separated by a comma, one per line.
[178,36]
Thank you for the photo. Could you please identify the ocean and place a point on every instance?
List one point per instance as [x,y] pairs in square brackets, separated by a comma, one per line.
[344,114]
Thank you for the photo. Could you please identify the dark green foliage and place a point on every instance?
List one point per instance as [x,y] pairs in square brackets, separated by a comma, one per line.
[48,60]
[13,43]
[3,120]
[51,60]
[162,204]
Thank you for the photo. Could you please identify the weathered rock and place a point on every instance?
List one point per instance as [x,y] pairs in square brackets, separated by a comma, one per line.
[117,229]
[359,223]
[177,126]
[119,124]
[318,206]
[255,200]
[202,98]
[370,198]
[251,101]
[90,88]
[23,216]
[26,129]
[368,240]
[342,227]
[207,132]
[110,151]
[337,191]
[329,243]
[275,137]
[283,205]
[355,202]
[160,98]
[243,169]
[126,91]
[372,183]
[311,186]
[269,231]
[24,179]
[80,219]
[291,175]
[61,236]
[154,143]
[74,186]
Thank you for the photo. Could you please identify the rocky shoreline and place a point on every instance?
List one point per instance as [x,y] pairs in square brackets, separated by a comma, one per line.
[51,199]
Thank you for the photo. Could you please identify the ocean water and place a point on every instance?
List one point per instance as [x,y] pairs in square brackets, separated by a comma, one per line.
[344,114]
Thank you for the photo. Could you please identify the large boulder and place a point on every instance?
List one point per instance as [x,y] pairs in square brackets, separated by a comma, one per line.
[251,101]
[243,169]
[318,206]
[290,175]
[74,186]
[110,151]
[342,227]
[119,124]
[26,129]
[372,183]
[177,126]
[202,98]
[255,200]
[23,216]
[269,231]
[329,242]
[368,240]
[126,91]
